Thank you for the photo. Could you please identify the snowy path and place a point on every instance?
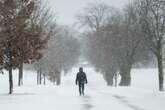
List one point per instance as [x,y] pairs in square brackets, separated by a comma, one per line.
[65,97]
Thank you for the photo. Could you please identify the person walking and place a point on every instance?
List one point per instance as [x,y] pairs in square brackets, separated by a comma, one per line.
[81,80]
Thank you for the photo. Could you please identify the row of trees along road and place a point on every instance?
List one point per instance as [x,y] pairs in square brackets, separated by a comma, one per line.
[61,55]
[119,39]
[24,31]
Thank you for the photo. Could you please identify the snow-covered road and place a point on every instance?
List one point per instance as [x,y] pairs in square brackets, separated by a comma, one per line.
[143,94]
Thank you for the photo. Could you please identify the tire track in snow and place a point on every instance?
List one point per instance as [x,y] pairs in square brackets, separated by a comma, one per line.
[123,100]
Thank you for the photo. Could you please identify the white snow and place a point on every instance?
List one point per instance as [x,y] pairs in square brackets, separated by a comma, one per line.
[142,95]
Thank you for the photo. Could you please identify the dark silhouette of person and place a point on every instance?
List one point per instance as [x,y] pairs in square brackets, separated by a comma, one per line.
[81,80]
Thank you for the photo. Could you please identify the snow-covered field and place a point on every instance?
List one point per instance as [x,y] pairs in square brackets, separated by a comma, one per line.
[142,95]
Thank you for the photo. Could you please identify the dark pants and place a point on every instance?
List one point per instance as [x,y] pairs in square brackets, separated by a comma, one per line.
[81,88]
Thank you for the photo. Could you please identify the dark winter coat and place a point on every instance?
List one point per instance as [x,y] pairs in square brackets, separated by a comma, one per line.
[81,78]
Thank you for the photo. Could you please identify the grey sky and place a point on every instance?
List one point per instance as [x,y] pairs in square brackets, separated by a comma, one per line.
[67,9]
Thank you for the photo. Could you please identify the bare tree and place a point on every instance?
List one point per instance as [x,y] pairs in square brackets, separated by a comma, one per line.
[132,47]
[62,54]
[116,44]
[153,25]
[96,16]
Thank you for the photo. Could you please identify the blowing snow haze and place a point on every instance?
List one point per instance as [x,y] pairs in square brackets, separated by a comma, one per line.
[67,9]
[82,54]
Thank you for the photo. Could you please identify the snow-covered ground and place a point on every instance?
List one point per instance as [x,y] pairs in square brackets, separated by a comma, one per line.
[142,95]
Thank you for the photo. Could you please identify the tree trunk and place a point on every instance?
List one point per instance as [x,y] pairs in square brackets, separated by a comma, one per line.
[115,78]
[159,56]
[37,77]
[160,69]
[40,77]
[160,73]
[10,81]
[10,72]
[125,72]
[54,79]
[20,77]
[44,79]
[58,80]
[109,79]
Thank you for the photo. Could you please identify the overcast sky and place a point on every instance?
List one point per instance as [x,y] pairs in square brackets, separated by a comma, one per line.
[67,9]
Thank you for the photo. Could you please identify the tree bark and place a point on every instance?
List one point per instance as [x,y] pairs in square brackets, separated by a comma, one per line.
[44,79]
[37,77]
[160,73]
[58,80]
[40,77]
[20,77]
[10,72]
[125,72]
[54,80]
[109,79]
[160,66]
[10,81]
